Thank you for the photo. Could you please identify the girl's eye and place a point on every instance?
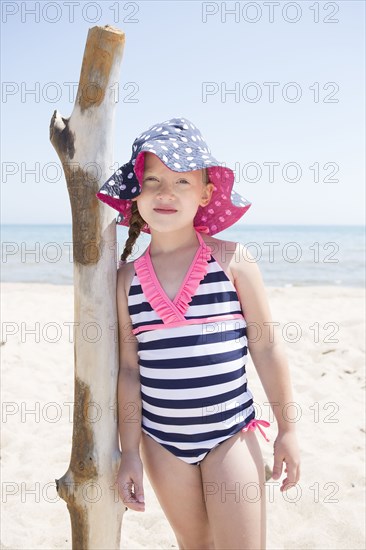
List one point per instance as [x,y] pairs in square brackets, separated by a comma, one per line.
[155,179]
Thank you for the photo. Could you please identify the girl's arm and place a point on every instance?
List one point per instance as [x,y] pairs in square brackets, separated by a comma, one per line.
[130,474]
[269,358]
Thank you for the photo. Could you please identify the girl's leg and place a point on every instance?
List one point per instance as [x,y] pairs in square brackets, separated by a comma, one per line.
[233,478]
[178,487]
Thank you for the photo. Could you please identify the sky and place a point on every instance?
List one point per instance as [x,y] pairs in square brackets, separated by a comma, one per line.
[293,130]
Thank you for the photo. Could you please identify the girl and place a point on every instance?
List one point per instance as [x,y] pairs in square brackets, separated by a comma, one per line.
[189,309]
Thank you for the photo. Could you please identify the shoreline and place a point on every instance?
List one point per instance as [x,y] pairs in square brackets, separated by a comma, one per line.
[267,287]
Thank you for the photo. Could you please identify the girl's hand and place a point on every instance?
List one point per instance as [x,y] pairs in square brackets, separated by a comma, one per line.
[129,481]
[286,450]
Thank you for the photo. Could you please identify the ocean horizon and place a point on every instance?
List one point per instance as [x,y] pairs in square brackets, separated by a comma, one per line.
[287,255]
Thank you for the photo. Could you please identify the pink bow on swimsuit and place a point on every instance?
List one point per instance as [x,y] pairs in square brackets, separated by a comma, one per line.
[253,424]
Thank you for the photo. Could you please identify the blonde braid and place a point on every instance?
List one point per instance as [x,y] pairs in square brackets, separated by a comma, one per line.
[134,230]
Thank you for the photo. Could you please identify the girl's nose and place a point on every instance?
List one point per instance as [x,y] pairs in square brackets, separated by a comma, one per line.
[165,190]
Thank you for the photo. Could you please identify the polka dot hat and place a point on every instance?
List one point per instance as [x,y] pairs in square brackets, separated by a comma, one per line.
[180,146]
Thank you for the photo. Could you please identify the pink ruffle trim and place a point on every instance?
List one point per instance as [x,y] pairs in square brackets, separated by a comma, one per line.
[168,311]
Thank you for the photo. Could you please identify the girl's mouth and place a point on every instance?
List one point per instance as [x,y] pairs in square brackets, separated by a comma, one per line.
[164,211]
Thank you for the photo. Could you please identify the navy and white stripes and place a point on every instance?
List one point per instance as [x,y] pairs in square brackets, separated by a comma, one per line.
[193,380]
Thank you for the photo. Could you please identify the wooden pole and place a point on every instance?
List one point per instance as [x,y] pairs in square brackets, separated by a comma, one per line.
[84,144]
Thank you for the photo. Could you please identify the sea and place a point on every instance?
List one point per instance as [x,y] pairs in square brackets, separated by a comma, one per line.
[287,255]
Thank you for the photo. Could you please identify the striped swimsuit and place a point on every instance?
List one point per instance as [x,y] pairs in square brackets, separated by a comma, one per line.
[192,353]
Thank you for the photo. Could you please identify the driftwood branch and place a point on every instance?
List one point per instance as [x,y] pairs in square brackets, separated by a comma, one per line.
[84,144]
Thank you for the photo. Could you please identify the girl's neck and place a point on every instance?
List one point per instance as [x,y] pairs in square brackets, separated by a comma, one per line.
[174,241]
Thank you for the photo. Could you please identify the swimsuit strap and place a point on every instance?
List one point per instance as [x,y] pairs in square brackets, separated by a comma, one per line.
[253,424]
[197,230]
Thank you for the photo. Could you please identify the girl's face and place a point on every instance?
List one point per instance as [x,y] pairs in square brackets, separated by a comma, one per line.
[180,192]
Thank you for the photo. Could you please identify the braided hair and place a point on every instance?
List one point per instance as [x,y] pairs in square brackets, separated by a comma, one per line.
[134,230]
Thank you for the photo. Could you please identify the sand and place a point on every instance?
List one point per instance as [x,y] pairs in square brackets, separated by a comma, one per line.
[324,330]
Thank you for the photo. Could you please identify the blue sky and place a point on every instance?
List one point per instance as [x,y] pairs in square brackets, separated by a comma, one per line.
[173,49]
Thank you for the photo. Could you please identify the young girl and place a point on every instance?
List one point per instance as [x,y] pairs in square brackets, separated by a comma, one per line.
[189,309]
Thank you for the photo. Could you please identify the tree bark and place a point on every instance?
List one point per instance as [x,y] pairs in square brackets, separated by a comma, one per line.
[84,144]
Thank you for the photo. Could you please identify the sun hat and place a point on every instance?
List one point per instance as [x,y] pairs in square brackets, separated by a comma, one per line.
[181,147]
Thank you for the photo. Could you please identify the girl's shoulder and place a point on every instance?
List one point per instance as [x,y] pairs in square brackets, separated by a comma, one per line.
[233,256]
[125,273]
[218,243]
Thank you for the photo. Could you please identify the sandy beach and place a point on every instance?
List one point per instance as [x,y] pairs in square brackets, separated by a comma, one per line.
[323,330]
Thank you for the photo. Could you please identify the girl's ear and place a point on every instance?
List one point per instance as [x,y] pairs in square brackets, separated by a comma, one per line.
[207,194]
